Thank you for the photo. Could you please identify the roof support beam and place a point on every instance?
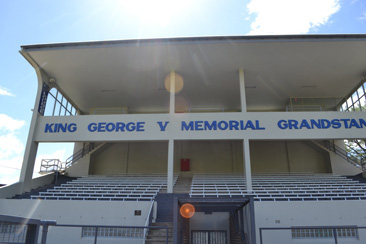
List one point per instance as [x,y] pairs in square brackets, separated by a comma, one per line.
[170,177]
[242,91]
[247,166]
[172,92]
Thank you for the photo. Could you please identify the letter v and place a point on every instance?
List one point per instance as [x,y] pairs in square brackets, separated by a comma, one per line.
[163,127]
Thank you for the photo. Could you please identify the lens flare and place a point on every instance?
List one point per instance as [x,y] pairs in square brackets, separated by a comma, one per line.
[187,210]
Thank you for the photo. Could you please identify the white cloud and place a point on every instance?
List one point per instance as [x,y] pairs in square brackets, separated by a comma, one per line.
[5,92]
[290,16]
[11,149]
[363,17]
[9,124]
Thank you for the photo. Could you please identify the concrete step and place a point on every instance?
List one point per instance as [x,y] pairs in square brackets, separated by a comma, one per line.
[158,236]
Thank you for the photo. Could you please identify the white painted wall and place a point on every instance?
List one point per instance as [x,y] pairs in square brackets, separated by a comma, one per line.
[78,213]
[152,131]
[310,213]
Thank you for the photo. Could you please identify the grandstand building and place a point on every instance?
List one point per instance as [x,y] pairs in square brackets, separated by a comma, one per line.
[249,130]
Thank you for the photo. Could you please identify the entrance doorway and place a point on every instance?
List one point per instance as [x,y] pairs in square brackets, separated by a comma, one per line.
[209,237]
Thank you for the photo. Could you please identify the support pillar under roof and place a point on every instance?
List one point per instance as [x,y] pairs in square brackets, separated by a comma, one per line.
[170,178]
[246,149]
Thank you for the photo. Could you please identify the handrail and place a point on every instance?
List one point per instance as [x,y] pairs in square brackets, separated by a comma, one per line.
[148,220]
[79,154]
[57,165]
[356,161]
[51,165]
[33,230]
[299,108]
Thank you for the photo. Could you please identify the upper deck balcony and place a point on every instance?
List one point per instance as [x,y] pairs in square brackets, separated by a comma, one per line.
[132,76]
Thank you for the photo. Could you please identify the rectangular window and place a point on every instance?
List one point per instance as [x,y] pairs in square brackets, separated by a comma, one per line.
[12,233]
[113,232]
[312,233]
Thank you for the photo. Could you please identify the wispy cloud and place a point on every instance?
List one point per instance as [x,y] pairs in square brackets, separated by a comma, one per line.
[8,124]
[11,149]
[363,17]
[290,16]
[5,92]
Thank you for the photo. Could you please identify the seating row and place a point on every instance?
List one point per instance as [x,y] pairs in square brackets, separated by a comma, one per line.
[281,187]
[125,188]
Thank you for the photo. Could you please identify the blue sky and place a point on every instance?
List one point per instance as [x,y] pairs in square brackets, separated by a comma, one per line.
[47,21]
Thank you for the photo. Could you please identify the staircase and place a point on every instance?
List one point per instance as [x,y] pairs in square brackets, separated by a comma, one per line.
[235,237]
[355,160]
[183,185]
[158,236]
[58,181]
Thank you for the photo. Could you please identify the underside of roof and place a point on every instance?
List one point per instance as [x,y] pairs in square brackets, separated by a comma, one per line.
[131,73]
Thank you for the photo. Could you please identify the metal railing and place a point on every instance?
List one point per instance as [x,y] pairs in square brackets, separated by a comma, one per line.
[30,228]
[349,157]
[53,165]
[99,228]
[334,230]
[81,153]
[148,220]
[303,108]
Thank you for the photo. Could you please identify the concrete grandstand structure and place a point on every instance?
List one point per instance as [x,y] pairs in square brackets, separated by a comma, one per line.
[249,130]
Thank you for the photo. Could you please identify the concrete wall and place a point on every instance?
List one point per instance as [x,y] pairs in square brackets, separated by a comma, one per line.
[79,213]
[130,157]
[288,156]
[11,190]
[213,156]
[310,213]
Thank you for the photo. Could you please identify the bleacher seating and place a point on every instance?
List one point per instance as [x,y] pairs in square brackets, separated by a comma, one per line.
[108,188]
[280,187]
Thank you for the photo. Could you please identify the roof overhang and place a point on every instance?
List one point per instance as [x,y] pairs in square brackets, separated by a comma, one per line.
[131,72]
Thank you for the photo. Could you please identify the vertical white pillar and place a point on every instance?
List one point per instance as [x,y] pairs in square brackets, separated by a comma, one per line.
[246,151]
[247,167]
[171,141]
[172,92]
[170,166]
[242,91]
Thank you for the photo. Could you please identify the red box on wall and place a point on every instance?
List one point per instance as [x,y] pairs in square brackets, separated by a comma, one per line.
[184,164]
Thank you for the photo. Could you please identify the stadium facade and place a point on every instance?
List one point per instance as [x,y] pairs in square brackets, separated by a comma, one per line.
[249,130]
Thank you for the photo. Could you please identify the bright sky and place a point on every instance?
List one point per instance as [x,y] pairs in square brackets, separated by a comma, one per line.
[49,21]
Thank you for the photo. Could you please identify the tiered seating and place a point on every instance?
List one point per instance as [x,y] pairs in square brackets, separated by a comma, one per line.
[280,187]
[108,188]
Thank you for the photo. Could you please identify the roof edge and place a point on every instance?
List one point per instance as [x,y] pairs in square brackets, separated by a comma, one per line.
[197,39]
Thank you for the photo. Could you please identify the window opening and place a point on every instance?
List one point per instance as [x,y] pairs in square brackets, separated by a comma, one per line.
[58,105]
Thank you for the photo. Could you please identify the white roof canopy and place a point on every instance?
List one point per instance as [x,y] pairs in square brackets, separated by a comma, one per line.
[131,72]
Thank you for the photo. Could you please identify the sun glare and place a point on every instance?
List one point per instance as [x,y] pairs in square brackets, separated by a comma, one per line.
[157,12]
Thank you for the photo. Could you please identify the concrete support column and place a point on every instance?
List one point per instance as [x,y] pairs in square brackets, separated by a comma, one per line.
[242,91]
[170,166]
[31,148]
[172,93]
[247,167]
[171,141]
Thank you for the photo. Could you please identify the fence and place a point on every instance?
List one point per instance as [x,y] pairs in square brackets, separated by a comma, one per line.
[313,234]
[16,230]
